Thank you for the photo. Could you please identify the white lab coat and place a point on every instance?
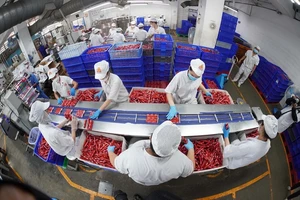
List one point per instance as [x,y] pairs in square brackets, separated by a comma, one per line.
[62,86]
[131,31]
[160,22]
[96,40]
[153,31]
[114,89]
[183,89]
[286,120]
[140,36]
[147,21]
[148,170]
[112,31]
[243,153]
[118,38]
[59,140]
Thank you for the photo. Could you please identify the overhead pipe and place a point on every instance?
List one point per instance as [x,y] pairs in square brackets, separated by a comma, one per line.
[17,12]
[67,9]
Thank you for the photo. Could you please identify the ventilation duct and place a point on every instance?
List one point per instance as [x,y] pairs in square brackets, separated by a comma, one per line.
[189,3]
[20,11]
[67,9]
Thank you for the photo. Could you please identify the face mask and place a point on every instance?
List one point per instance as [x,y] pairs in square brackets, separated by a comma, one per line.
[192,78]
[105,79]
[132,26]
[255,51]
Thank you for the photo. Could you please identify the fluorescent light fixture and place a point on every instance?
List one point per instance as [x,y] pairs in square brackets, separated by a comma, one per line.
[144,1]
[297,1]
[74,13]
[104,9]
[139,4]
[161,3]
[230,8]
[98,6]
[292,1]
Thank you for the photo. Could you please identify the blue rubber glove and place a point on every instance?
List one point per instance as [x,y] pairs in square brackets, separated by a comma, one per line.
[73,91]
[98,95]
[59,101]
[189,145]
[172,113]
[111,148]
[226,131]
[209,94]
[96,114]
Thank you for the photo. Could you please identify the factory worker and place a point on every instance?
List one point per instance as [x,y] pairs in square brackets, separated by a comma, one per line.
[147,20]
[158,160]
[183,87]
[141,34]
[96,39]
[25,72]
[112,86]
[118,36]
[161,21]
[288,115]
[132,29]
[61,85]
[2,80]
[251,60]
[154,29]
[240,153]
[62,142]
[112,30]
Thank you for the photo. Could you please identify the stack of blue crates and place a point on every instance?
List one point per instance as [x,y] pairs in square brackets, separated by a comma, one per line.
[148,60]
[128,64]
[185,26]
[140,20]
[163,52]
[270,80]
[90,57]
[183,56]
[225,44]
[212,59]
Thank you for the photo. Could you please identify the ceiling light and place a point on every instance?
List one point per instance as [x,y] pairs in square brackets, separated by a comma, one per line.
[98,6]
[108,8]
[292,1]
[297,1]
[144,1]
[230,8]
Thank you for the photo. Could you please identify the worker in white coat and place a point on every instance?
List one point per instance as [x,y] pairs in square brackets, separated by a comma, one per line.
[96,39]
[132,29]
[62,142]
[240,153]
[251,60]
[112,30]
[183,87]
[288,115]
[118,37]
[112,86]
[147,20]
[2,80]
[61,85]
[158,160]
[154,29]
[141,34]
[161,21]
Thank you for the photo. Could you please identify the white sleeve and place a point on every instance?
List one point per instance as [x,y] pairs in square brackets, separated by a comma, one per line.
[257,61]
[172,87]
[237,150]
[68,79]
[122,161]
[54,87]
[150,32]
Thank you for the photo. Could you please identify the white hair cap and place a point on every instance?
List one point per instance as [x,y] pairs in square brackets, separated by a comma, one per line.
[141,25]
[132,23]
[37,111]
[166,139]
[271,125]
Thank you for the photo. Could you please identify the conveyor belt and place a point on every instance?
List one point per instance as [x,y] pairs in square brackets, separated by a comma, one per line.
[139,117]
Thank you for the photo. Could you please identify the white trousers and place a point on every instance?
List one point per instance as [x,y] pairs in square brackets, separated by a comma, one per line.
[243,70]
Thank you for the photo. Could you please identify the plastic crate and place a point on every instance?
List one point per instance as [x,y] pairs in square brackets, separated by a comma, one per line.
[51,156]
[96,57]
[183,59]
[135,83]
[227,29]
[83,79]
[148,59]
[229,24]
[72,61]
[127,62]
[162,66]
[134,53]
[201,98]
[75,68]
[164,45]
[225,37]
[210,54]
[86,85]
[34,135]
[195,51]
[78,74]
[149,72]
[73,50]
[148,66]
[283,79]
[149,78]
[161,78]
[91,73]
[166,53]
[183,66]
[148,52]
[209,74]
[131,77]
[224,45]
[228,17]
[89,66]
[211,63]
[158,59]
[161,73]
[118,70]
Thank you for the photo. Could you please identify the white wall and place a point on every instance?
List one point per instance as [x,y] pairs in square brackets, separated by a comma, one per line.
[277,35]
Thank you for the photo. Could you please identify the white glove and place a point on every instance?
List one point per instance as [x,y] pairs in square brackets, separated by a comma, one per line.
[74,123]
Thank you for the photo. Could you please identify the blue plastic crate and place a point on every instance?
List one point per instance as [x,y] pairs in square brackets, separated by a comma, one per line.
[131,77]
[52,156]
[229,24]
[227,29]
[127,62]
[183,59]
[162,66]
[149,78]
[148,66]
[117,54]
[163,45]
[225,38]
[209,74]
[135,83]
[75,68]
[161,78]
[212,79]
[213,54]
[228,17]
[159,52]
[146,28]
[140,20]
[83,79]
[194,53]
[96,57]
[60,160]
[211,63]
[183,66]
[180,31]
[149,72]
[86,85]
[283,79]
[162,73]
[128,69]
[148,59]
[72,61]
[78,74]
[89,66]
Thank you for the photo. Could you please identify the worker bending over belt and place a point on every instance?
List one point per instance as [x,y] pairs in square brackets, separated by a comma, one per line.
[158,160]
[183,87]
[112,86]
[62,142]
[61,85]
[243,152]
